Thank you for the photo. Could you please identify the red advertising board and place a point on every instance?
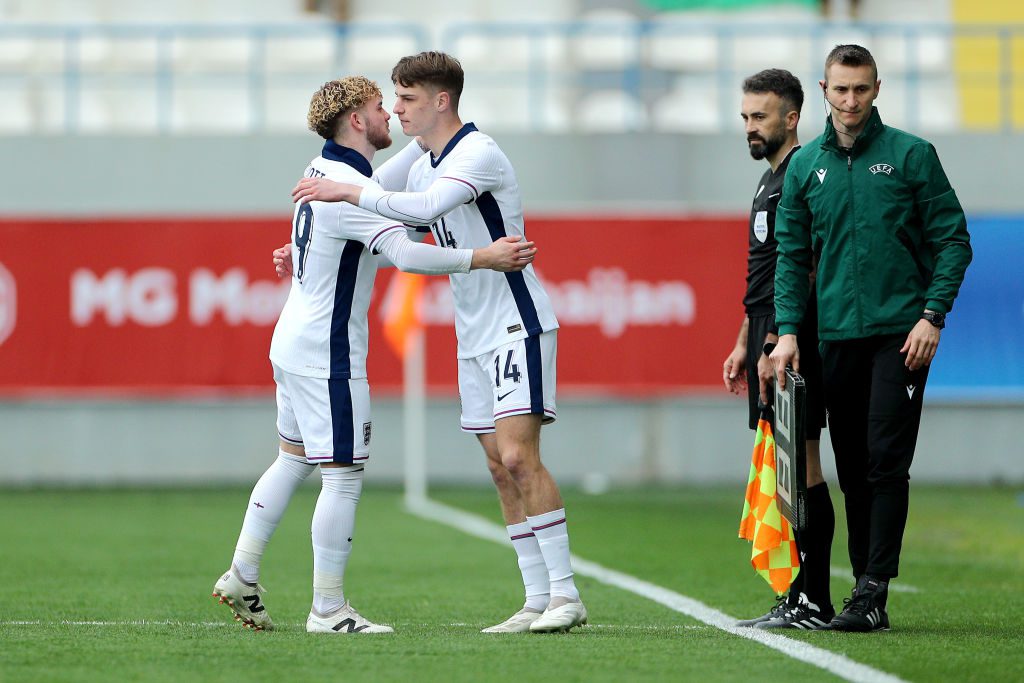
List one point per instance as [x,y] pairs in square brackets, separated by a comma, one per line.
[164,307]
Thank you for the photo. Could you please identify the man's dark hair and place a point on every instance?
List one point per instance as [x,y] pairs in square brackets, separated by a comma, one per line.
[431,69]
[851,55]
[780,82]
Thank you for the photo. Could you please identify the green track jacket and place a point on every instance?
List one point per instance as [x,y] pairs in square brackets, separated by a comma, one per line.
[889,232]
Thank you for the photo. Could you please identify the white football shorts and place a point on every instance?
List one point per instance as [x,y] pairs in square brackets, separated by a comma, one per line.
[517,378]
[329,418]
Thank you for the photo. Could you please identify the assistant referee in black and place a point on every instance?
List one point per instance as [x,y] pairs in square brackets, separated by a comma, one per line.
[772,100]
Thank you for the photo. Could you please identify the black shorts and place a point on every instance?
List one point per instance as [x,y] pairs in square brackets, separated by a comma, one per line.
[810,367]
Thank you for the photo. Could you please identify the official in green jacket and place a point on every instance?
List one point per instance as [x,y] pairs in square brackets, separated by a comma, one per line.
[873,203]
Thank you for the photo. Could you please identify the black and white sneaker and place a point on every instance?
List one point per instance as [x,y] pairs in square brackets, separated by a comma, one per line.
[806,616]
[781,607]
[865,610]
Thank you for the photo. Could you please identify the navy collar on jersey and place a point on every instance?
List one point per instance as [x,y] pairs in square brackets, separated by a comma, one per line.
[463,132]
[346,155]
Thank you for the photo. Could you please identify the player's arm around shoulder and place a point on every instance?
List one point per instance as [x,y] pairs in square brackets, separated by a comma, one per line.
[506,254]
[393,174]
[324,189]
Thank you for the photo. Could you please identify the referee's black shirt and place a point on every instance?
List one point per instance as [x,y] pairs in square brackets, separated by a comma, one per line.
[760,296]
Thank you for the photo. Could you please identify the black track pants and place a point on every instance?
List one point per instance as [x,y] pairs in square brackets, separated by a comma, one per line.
[874,411]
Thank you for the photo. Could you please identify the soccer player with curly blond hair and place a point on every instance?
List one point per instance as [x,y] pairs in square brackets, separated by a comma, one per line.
[319,348]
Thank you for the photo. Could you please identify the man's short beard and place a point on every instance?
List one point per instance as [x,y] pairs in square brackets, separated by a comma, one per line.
[767,147]
[379,140]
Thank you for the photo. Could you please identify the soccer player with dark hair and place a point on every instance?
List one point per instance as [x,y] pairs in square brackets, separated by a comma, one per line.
[771,105]
[318,354]
[872,205]
[465,191]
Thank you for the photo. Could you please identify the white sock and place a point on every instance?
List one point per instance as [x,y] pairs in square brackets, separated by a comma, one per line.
[267,504]
[334,520]
[553,538]
[531,565]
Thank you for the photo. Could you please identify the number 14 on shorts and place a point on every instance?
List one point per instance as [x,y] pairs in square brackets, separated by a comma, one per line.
[506,378]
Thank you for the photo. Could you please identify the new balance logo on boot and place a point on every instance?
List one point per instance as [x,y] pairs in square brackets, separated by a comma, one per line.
[865,609]
[349,625]
[244,599]
[344,620]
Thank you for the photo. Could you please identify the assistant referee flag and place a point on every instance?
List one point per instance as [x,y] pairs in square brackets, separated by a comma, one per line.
[774,554]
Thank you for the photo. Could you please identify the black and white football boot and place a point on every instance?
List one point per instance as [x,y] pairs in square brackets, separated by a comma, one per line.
[865,610]
[782,605]
[806,616]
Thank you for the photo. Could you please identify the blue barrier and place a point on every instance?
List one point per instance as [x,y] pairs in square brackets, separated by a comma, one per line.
[981,355]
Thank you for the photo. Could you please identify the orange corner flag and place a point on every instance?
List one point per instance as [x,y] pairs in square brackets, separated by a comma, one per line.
[774,555]
[400,310]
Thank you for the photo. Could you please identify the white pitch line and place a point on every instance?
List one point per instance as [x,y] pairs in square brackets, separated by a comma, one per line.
[231,624]
[823,659]
[840,573]
[126,622]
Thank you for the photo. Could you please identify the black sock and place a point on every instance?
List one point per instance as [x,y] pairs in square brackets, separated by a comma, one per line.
[797,587]
[815,544]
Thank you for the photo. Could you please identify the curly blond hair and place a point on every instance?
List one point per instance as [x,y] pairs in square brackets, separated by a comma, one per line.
[335,99]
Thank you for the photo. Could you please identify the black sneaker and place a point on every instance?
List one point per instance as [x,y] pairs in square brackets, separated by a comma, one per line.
[865,610]
[781,607]
[806,616]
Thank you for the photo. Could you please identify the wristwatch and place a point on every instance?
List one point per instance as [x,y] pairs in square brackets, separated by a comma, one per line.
[937,319]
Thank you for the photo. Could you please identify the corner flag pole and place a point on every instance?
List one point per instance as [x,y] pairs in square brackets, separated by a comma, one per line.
[404,333]
[414,405]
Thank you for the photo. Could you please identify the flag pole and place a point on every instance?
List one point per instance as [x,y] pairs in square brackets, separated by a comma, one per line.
[414,412]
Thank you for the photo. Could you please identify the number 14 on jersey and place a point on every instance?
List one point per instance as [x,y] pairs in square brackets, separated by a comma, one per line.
[443,235]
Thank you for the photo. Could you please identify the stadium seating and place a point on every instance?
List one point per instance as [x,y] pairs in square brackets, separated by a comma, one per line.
[683,41]
[17,115]
[218,106]
[660,64]
[692,106]
[606,39]
[610,111]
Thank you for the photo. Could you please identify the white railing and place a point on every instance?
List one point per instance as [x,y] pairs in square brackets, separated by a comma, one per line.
[598,76]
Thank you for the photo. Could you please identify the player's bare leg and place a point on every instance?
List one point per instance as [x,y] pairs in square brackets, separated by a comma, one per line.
[513,508]
[518,439]
[524,541]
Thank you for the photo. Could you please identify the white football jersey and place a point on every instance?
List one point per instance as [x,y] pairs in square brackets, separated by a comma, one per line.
[322,331]
[469,196]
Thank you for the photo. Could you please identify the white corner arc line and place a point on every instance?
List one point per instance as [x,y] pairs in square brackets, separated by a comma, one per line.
[832,662]
[840,573]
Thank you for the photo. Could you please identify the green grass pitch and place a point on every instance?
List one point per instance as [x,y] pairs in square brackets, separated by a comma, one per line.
[114,585]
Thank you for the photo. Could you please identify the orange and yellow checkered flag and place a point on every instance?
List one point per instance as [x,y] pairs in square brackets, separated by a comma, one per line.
[774,555]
